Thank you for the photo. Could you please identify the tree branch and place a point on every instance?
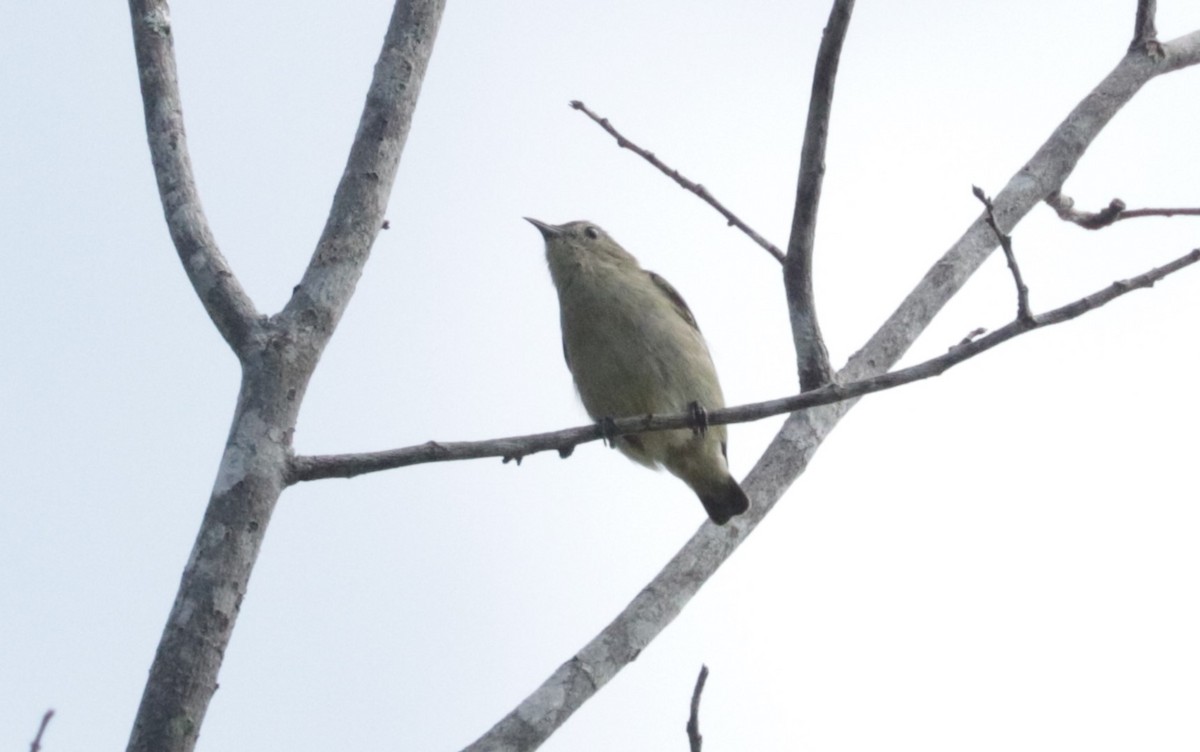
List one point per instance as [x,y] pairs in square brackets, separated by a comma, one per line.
[361,198]
[36,745]
[307,468]
[275,374]
[696,188]
[812,358]
[1145,35]
[1023,311]
[695,740]
[227,304]
[789,453]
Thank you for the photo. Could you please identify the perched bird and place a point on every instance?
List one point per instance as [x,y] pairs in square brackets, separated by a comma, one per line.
[634,349]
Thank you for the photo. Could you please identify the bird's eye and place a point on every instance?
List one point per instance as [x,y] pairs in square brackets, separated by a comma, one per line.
[591,232]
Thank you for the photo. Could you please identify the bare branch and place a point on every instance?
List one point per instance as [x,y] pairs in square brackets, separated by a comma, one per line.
[1064,206]
[227,304]
[307,468]
[357,214]
[812,358]
[275,373]
[1042,175]
[789,453]
[696,188]
[1023,311]
[37,740]
[1178,212]
[695,740]
[1145,35]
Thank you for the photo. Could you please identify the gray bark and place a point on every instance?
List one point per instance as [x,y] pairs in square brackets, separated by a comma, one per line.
[277,355]
[657,605]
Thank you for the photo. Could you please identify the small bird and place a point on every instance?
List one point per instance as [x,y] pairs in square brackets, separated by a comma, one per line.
[633,348]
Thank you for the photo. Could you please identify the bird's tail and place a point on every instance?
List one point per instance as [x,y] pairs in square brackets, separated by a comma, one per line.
[724,500]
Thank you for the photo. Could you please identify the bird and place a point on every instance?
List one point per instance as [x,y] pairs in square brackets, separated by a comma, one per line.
[633,348]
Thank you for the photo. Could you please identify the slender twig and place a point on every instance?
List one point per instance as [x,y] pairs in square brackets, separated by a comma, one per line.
[1023,311]
[1156,212]
[1064,206]
[696,188]
[316,467]
[37,740]
[1145,35]
[695,740]
[227,304]
[812,357]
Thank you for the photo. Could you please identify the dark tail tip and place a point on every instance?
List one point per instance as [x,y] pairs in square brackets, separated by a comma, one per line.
[725,502]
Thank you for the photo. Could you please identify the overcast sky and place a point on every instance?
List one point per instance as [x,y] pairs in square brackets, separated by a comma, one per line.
[1001,558]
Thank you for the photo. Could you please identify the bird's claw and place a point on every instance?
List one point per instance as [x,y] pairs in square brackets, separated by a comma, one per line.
[699,418]
[608,431]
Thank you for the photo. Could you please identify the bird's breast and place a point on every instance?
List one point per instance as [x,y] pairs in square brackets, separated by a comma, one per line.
[630,351]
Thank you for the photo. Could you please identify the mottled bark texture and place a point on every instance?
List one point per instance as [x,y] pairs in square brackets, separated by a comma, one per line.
[278,355]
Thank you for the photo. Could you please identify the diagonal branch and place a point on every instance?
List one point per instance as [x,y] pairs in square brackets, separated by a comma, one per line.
[696,188]
[657,605]
[317,467]
[812,358]
[1023,311]
[36,745]
[360,201]
[227,304]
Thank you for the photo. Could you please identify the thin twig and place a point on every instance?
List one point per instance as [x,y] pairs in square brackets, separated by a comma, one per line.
[695,740]
[1135,213]
[315,467]
[1064,206]
[1023,311]
[37,740]
[812,357]
[696,188]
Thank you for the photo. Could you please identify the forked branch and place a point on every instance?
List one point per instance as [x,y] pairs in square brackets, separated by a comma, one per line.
[277,355]
[657,605]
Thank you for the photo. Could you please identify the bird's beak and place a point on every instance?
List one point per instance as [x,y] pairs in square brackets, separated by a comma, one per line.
[548,231]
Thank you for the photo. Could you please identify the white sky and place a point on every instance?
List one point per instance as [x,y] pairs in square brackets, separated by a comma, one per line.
[1004,557]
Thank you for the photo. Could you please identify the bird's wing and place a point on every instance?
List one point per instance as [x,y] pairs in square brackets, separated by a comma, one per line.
[681,306]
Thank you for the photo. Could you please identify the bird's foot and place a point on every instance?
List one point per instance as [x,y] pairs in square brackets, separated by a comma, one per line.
[608,431]
[699,418]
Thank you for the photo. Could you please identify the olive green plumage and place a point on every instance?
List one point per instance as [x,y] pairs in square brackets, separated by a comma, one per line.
[633,347]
